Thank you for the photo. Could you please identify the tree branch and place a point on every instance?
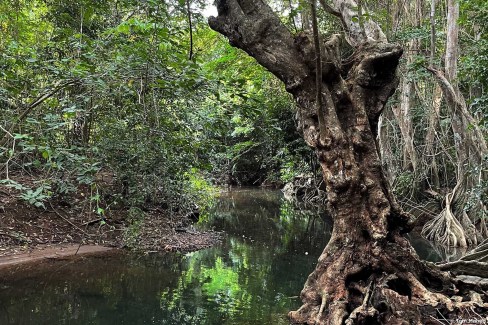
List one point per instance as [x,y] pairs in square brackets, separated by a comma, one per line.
[358,29]
[253,27]
[330,10]
[38,101]
[45,96]
[318,72]
[188,12]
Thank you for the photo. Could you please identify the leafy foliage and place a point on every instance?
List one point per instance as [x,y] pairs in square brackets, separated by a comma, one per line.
[98,90]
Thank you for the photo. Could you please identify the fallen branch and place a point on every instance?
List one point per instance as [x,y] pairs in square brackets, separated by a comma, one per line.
[68,221]
[91,222]
[466,268]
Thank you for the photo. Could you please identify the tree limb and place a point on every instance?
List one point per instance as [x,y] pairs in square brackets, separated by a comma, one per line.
[359,30]
[265,38]
[45,96]
[38,101]
[318,72]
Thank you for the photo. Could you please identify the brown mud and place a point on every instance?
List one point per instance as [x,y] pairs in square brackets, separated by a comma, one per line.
[51,253]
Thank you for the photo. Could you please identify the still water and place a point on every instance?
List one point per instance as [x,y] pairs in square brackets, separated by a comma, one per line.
[253,277]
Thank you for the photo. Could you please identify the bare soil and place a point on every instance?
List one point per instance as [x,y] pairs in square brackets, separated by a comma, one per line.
[27,232]
[48,252]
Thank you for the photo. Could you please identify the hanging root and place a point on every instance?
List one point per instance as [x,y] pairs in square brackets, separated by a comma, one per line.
[445,229]
[469,229]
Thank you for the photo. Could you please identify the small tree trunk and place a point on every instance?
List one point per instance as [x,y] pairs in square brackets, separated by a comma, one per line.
[404,119]
[452,41]
[305,16]
[432,32]
[431,137]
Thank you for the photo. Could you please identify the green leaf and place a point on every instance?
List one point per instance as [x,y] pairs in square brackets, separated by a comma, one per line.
[18,136]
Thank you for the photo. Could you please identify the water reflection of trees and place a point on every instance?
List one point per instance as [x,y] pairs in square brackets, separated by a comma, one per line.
[112,290]
[266,218]
[272,247]
[234,288]
[253,278]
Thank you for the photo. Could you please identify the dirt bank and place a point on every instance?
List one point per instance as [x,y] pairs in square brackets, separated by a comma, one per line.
[26,230]
[56,252]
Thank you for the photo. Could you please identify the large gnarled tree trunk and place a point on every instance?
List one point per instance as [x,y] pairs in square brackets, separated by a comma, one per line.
[368,272]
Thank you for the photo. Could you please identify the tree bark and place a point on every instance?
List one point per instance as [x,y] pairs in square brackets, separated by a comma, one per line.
[452,41]
[432,137]
[368,272]
[404,118]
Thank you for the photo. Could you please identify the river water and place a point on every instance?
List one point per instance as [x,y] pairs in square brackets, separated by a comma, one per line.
[253,277]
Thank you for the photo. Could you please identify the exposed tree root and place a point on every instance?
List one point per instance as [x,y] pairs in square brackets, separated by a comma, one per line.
[445,229]
[375,288]
[474,263]
[474,281]
[469,229]
[473,268]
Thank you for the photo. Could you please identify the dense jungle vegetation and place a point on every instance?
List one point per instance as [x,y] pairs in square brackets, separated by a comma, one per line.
[127,104]
[123,119]
[141,93]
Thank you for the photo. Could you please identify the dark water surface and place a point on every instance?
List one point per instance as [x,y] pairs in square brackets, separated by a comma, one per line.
[254,277]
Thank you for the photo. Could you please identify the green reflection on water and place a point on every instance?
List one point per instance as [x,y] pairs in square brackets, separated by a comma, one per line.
[253,277]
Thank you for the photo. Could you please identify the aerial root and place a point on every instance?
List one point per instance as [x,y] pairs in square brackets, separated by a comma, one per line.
[469,229]
[445,229]
[323,305]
